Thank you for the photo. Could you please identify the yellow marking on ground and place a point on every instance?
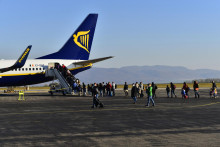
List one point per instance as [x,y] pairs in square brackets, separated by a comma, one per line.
[204,105]
[101,109]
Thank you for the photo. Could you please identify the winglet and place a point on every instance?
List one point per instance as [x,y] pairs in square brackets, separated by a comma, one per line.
[20,62]
[22,59]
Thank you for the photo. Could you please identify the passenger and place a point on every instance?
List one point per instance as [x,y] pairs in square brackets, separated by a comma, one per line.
[146,88]
[126,89]
[183,92]
[214,89]
[213,85]
[168,91]
[74,87]
[84,89]
[80,89]
[100,89]
[95,95]
[137,85]
[173,88]
[150,96]
[113,88]
[88,89]
[134,91]
[211,92]
[92,86]
[64,71]
[186,88]
[110,89]
[104,87]
[141,89]
[215,93]
[196,89]
[154,88]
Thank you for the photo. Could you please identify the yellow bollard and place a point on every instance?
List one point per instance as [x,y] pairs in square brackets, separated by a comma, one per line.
[20,94]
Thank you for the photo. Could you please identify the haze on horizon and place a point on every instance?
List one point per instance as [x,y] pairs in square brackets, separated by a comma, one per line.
[145,32]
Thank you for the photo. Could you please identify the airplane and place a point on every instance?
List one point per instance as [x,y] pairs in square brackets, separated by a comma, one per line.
[74,54]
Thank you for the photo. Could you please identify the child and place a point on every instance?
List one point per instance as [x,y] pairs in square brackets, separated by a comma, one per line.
[183,92]
[168,91]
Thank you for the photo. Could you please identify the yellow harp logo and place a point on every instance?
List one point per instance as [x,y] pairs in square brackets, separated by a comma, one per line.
[84,39]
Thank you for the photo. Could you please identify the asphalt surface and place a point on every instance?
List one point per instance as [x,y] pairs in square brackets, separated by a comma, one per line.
[44,120]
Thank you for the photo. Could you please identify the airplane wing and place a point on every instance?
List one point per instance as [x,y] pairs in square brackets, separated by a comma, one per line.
[20,62]
[92,61]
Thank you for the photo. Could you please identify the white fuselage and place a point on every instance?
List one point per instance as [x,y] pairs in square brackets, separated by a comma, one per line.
[33,72]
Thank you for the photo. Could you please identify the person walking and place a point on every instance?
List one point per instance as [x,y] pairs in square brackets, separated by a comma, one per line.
[100,87]
[186,88]
[84,89]
[141,89]
[134,92]
[173,88]
[196,89]
[95,95]
[168,91]
[126,89]
[150,96]
[154,88]
[214,89]
[113,88]
[104,87]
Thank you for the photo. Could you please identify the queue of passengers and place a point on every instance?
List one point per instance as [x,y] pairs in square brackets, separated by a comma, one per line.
[137,91]
[185,90]
[104,89]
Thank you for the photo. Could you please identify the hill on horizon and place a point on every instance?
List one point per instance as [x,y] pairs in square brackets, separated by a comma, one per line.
[146,74]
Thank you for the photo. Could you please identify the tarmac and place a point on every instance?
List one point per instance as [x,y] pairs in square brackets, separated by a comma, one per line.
[44,120]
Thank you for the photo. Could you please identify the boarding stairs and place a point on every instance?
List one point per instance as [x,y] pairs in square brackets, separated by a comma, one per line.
[56,74]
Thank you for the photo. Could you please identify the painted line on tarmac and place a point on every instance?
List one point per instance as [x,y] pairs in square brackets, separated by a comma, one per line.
[103,109]
[204,105]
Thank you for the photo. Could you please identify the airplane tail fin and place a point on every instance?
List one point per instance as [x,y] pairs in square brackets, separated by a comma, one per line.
[78,46]
[22,59]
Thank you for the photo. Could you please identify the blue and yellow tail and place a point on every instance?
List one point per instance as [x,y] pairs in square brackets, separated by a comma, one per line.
[79,44]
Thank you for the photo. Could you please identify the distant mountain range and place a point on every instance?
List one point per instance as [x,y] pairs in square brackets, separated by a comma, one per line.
[146,74]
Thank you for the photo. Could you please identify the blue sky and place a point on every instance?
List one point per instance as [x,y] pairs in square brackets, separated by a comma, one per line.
[143,32]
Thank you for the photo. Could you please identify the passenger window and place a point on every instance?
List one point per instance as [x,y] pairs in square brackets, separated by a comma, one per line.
[43,68]
[33,69]
[26,69]
[22,69]
[30,69]
[19,69]
[36,68]
[16,69]
[39,68]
